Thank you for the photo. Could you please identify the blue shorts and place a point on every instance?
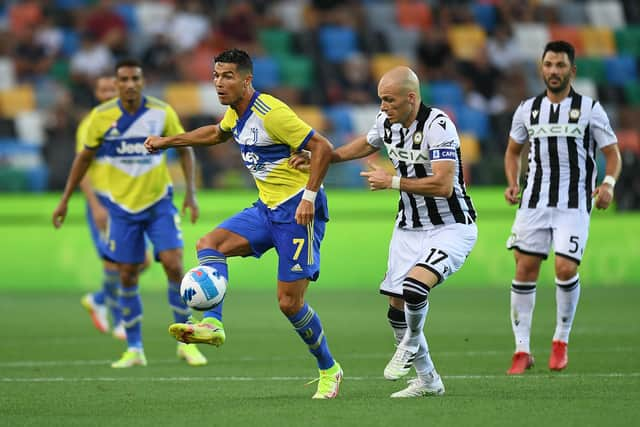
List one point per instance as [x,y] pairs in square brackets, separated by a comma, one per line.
[160,223]
[99,239]
[298,246]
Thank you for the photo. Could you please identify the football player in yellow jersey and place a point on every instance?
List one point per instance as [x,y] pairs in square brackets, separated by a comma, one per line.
[137,191]
[97,303]
[290,214]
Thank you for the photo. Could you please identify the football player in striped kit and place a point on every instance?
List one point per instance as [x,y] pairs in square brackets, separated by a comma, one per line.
[563,129]
[435,226]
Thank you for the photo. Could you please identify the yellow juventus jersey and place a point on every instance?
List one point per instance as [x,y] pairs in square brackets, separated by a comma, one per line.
[267,133]
[133,179]
[97,177]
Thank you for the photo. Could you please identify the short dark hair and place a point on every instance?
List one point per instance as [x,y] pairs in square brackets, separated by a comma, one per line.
[238,57]
[559,46]
[127,62]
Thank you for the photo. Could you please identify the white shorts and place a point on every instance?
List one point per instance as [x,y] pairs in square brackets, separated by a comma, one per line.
[535,230]
[443,249]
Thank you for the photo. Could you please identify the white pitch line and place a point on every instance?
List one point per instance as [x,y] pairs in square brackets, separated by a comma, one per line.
[348,378]
[352,356]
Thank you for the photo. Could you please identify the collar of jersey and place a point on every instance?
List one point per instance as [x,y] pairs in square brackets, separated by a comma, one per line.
[245,116]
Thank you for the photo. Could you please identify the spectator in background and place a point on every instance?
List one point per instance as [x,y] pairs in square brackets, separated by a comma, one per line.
[189,26]
[502,49]
[108,27]
[90,61]
[30,56]
[159,59]
[482,80]
[356,84]
[60,126]
[435,58]
[239,26]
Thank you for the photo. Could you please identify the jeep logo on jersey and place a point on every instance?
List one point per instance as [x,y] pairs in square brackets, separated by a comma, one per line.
[131,148]
[251,161]
[407,156]
[547,130]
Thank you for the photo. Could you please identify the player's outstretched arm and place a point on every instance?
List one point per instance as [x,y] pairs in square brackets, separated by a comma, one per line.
[79,168]
[187,162]
[355,149]
[512,168]
[604,192]
[205,135]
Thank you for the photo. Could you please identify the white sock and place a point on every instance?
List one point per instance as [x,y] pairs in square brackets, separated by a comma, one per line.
[523,300]
[423,363]
[567,297]
[415,323]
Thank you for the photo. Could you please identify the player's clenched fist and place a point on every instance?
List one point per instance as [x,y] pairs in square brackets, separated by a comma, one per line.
[154,143]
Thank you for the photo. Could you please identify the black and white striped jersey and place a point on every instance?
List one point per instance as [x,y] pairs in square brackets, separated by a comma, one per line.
[432,137]
[562,155]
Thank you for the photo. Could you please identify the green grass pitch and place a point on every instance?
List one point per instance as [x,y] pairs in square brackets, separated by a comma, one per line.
[54,367]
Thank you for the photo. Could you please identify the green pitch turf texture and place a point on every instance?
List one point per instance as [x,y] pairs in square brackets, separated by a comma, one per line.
[54,366]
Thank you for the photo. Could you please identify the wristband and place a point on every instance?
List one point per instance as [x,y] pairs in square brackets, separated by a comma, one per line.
[395,182]
[609,180]
[309,195]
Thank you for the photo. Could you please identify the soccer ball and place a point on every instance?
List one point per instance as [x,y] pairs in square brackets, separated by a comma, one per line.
[203,288]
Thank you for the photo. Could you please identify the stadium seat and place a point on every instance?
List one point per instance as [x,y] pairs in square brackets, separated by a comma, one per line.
[620,70]
[413,15]
[363,117]
[7,73]
[592,68]
[598,41]
[339,116]
[446,93]
[30,127]
[629,140]
[470,148]
[266,73]
[585,86]
[530,38]
[425,93]
[153,17]
[403,42]
[296,71]
[184,98]
[628,40]
[276,41]
[572,13]
[312,115]
[337,43]
[127,11]
[466,40]
[383,62]
[209,102]
[70,42]
[381,16]
[632,93]
[607,13]
[16,100]
[475,122]
[569,34]
[485,15]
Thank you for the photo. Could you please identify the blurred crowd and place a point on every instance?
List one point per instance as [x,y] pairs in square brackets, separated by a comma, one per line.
[476,59]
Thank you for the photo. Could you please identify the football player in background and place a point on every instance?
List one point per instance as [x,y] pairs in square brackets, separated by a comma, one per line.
[138,194]
[564,129]
[106,299]
[290,214]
